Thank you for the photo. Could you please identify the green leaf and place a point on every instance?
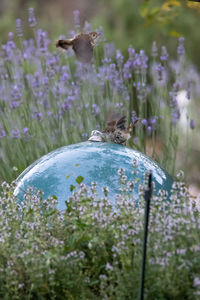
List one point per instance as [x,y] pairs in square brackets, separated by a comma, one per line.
[72,187]
[51,213]
[30,211]
[76,165]
[175,33]
[69,206]
[81,225]
[144,9]
[79,179]
[94,282]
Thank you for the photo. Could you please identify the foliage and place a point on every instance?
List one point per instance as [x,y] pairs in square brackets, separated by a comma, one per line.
[49,99]
[92,250]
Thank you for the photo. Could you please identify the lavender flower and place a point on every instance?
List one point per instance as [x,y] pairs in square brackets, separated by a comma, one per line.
[10,42]
[95,109]
[192,124]
[31,19]
[42,41]
[15,133]
[39,116]
[134,117]
[26,133]
[87,27]
[149,130]
[19,28]
[6,52]
[164,54]
[127,70]
[76,18]
[2,133]
[109,50]
[16,94]
[119,58]
[181,49]
[196,282]
[14,104]
[144,122]
[160,70]
[85,136]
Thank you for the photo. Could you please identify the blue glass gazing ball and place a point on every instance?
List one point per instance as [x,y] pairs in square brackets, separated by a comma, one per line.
[56,171]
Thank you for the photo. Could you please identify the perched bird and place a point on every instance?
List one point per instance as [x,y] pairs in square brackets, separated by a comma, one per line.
[116,131]
[82,44]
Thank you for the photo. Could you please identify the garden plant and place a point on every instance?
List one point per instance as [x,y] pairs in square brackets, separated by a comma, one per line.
[93,249]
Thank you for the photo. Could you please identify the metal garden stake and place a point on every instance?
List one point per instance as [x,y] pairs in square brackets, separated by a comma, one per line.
[147,198]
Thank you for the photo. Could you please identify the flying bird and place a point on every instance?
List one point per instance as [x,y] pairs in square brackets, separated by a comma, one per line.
[82,44]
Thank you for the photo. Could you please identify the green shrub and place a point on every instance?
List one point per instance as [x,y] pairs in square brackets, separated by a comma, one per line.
[92,250]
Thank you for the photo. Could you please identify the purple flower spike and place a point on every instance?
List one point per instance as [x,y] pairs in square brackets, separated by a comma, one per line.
[39,116]
[16,94]
[2,133]
[15,133]
[25,130]
[42,40]
[149,129]
[134,117]
[160,70]
[87,27]
[31,19]
[19,28]
[192,124]
[95,109]
[175,115]
[26,133]
[181,49]
[109,50]
[144,122]
[14,104]
[10,42]
[84,136]
[164,54]
[119,58]
[7,52]
[76,18]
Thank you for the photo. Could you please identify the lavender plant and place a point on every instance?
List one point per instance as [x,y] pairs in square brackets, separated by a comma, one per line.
[92,250]
[48,99]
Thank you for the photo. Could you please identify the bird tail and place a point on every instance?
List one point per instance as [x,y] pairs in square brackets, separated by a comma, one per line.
[64,44]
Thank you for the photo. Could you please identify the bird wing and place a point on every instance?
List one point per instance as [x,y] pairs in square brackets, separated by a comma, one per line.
[121,123]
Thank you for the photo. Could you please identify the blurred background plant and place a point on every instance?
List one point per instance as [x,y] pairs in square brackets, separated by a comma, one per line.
[49,100]
[127,22]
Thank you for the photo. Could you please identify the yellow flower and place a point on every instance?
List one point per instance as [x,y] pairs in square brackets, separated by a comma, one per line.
[193,4]
[168,5]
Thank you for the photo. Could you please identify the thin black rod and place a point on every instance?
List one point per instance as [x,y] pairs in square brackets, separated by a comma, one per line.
[147,198]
